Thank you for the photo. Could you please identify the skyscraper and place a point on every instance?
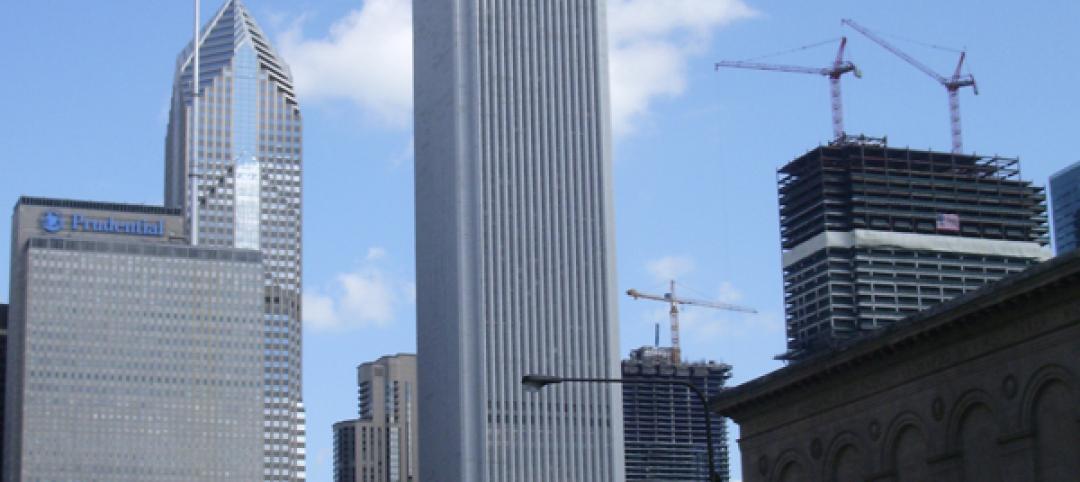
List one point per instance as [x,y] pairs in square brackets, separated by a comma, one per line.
[515,241]
[871,234]
[1065,207]
[380,445]
[247,171]
[665,427]
[133,355]
[3,374]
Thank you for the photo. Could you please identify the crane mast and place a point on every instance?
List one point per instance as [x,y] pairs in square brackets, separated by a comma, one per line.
[838,68]
[952,84]
[675,301]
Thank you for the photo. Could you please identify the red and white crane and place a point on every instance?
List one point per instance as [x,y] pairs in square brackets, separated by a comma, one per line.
[952,84]
[838,68]
[675,301]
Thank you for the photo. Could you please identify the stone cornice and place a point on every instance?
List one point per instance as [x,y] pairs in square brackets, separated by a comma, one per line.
[970,309]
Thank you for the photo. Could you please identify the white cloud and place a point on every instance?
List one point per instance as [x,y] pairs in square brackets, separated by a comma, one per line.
[705,325]
[366,58]
[406,156]
[375,253]
[650,44]
[670,267]
[363,297]
[728,293]
[367,296]
[319,310]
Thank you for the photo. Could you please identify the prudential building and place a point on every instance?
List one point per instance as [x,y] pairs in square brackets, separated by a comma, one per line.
[244,164]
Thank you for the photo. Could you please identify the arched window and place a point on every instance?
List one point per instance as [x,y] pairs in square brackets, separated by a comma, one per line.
[792,472]
[847,465]
[1057,434]
[909,455]
[977,437]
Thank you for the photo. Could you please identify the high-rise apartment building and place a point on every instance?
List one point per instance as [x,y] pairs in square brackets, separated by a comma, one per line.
[381,445]
[871,234]
[515,241]
[664,425]
[246,170]
[132,355]
[1065,207]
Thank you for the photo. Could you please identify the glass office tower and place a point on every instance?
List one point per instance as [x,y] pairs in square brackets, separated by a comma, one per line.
[1065,207]
[515,248]
[246,169]
[132,355]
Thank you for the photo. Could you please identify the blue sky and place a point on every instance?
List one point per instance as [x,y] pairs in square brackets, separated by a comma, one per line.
[86,87]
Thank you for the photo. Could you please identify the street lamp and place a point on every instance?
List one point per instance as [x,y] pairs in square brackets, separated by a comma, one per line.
[535,383]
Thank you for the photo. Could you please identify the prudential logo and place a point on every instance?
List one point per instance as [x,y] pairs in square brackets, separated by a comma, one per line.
[51,222]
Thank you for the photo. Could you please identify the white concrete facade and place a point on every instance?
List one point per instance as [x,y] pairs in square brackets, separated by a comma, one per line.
[918,241]
[514,241]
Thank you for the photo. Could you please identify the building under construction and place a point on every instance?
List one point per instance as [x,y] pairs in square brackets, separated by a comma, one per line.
[664,426]
[871,234]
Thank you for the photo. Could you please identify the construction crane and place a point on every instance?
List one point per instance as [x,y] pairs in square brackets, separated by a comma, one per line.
[952,84]
[833,72]
[675,301]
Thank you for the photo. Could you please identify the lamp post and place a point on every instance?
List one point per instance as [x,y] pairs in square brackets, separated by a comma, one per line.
[535,382]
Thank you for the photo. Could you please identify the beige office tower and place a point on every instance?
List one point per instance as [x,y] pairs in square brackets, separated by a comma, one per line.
[515,251]
[380,446]
[132,356]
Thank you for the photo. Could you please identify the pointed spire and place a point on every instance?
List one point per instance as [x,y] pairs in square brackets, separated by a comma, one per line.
[233,24]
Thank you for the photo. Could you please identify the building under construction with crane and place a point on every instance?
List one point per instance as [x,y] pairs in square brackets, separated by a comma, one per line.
[871,234]
[664,426]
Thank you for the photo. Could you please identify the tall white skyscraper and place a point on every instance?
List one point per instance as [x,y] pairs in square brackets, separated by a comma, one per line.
[247,171]
[515,241]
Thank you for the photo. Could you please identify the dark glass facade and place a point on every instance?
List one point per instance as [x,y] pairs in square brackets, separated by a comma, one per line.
[1065,206]
[345,451]
[664,425]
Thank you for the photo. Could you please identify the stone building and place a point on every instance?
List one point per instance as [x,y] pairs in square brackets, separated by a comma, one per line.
[982,388]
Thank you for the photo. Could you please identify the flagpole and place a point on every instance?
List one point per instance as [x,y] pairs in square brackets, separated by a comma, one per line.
[193,178]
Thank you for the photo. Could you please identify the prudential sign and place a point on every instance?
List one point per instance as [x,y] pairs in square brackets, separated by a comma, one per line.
[53,222]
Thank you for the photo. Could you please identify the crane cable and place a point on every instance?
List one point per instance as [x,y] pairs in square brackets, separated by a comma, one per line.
[924,44]
[796,49]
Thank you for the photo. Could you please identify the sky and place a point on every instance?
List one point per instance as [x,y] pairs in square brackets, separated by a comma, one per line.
[85,95]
